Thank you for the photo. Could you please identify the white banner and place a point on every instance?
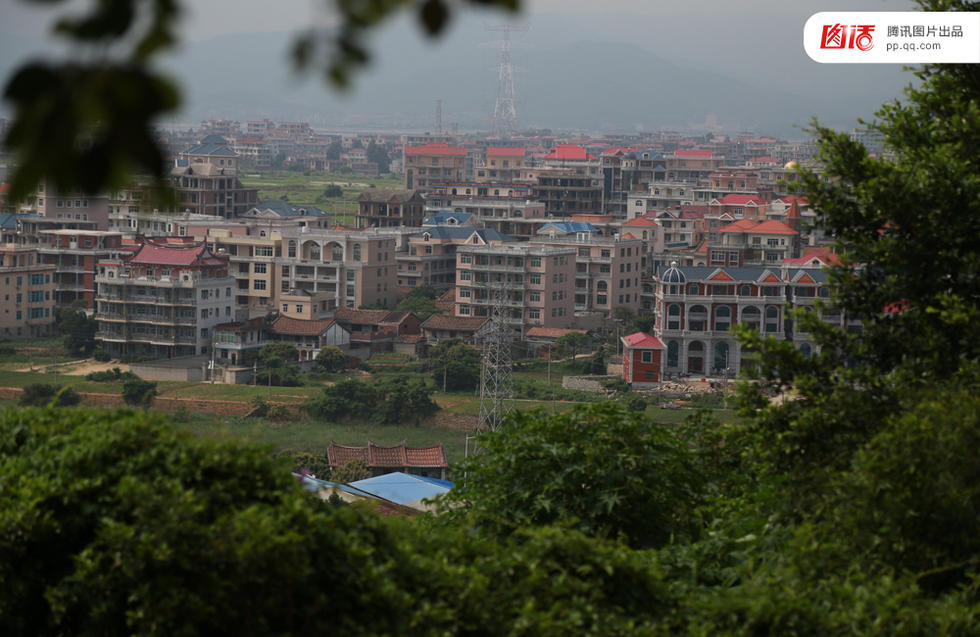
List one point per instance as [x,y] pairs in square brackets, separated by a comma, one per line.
[893,37]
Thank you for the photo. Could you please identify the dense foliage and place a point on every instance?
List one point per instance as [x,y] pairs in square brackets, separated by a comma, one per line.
[43,394]
[421,301]
[388,402]
[455,365]
[77,329]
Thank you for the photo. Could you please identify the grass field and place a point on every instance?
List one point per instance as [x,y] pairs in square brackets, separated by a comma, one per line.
[308,189]
[314,435]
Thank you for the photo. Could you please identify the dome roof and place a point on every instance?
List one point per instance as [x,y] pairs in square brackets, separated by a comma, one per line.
[672,274]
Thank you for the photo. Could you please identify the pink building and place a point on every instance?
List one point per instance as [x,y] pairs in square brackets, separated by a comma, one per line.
[537,283]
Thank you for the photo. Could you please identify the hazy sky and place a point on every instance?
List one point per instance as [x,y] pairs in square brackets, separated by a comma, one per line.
[758,42]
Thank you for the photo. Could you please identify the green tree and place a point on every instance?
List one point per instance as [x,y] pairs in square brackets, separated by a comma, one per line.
[139,393]
[571,344]
[421,301]
[108,91]
[350,472]
[334,150]
[333,191]
[644,324]
[455,365]
[332,359]
[43,394]
[77,329]
[277,368]
[378,154]
[596,468]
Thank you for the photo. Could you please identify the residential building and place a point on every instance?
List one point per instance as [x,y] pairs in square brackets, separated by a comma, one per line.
[565,193]
[431,255]
[308,306]
[237,343]
[356,267]
[309,336]
[439,327]
[389,207]
[692,165]
[748,242]
[502,164]
[163,301]
[535,284]
[75,255]
[432,164]
[696,307]
[27,290]
[206,178]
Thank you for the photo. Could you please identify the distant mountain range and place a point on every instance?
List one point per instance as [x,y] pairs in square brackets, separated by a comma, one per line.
[561,83]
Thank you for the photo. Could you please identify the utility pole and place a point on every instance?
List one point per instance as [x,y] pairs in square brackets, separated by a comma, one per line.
[496,370]
[504,110]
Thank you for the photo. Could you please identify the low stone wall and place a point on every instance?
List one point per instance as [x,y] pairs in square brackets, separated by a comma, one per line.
[585,383]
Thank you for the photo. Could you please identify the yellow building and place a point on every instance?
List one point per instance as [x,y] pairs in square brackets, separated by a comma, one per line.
[27,291]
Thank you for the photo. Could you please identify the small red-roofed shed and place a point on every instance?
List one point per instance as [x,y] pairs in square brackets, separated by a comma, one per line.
[642,359]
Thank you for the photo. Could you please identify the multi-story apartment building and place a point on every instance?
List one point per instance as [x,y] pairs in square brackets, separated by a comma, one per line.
[252,256]
[75,255]
[503,164]
[27,291]
[692,166]
[206,178]
[696,307]
[163,300]
[535,284]
[389,207]
[432,164]
[355,268]
[51,204]
[564,193]
[431,255]
[660,196]
[607,270]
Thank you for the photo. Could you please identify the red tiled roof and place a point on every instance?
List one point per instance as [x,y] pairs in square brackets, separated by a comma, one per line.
[300,327]
[436,148]
[640,221]
[175,255]
[742,225]
[621,149]
[741,200]
[4,188]
[794,199]
[458,323]
[773,227]
[393,456]
[552,332]
[360,317]
[504,151]
[693,153]
[642,340]
[568,151]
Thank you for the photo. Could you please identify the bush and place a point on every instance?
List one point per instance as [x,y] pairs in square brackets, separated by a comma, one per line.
[111,376]
[42,394]
[139,393]
[101,355]
[278,413]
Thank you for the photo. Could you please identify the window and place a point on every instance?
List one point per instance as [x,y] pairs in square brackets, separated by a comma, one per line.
[357,252]
[723,318]
[464,293]
[772,319]
[258,268]
[646,356]
[466,258]
[285,307]
[291,249]
[674,317]
[534,296]
[535,262]
[465,276]
[745,291]
[299,309]
[258,284]
[534,279]
[692,289]
[601,299]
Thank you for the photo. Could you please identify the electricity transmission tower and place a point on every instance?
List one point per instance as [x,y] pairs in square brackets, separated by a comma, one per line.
[496,368]
[504,110]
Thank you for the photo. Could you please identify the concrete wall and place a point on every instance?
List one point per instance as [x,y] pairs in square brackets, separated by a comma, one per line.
[585,383]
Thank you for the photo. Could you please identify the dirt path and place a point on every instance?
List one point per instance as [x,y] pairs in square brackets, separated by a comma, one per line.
[76,368]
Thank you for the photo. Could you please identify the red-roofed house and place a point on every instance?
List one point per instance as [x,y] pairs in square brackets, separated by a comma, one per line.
[433,163]
[739,206]
[747,242]
[642,359]
[163,300]
[430,461]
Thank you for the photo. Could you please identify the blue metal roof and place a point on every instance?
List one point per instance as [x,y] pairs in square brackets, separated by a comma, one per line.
[464,232]
[286,209]
[570,226]
[402,488]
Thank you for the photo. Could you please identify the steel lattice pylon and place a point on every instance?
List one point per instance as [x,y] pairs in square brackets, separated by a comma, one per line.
[496,369]
[504,110]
